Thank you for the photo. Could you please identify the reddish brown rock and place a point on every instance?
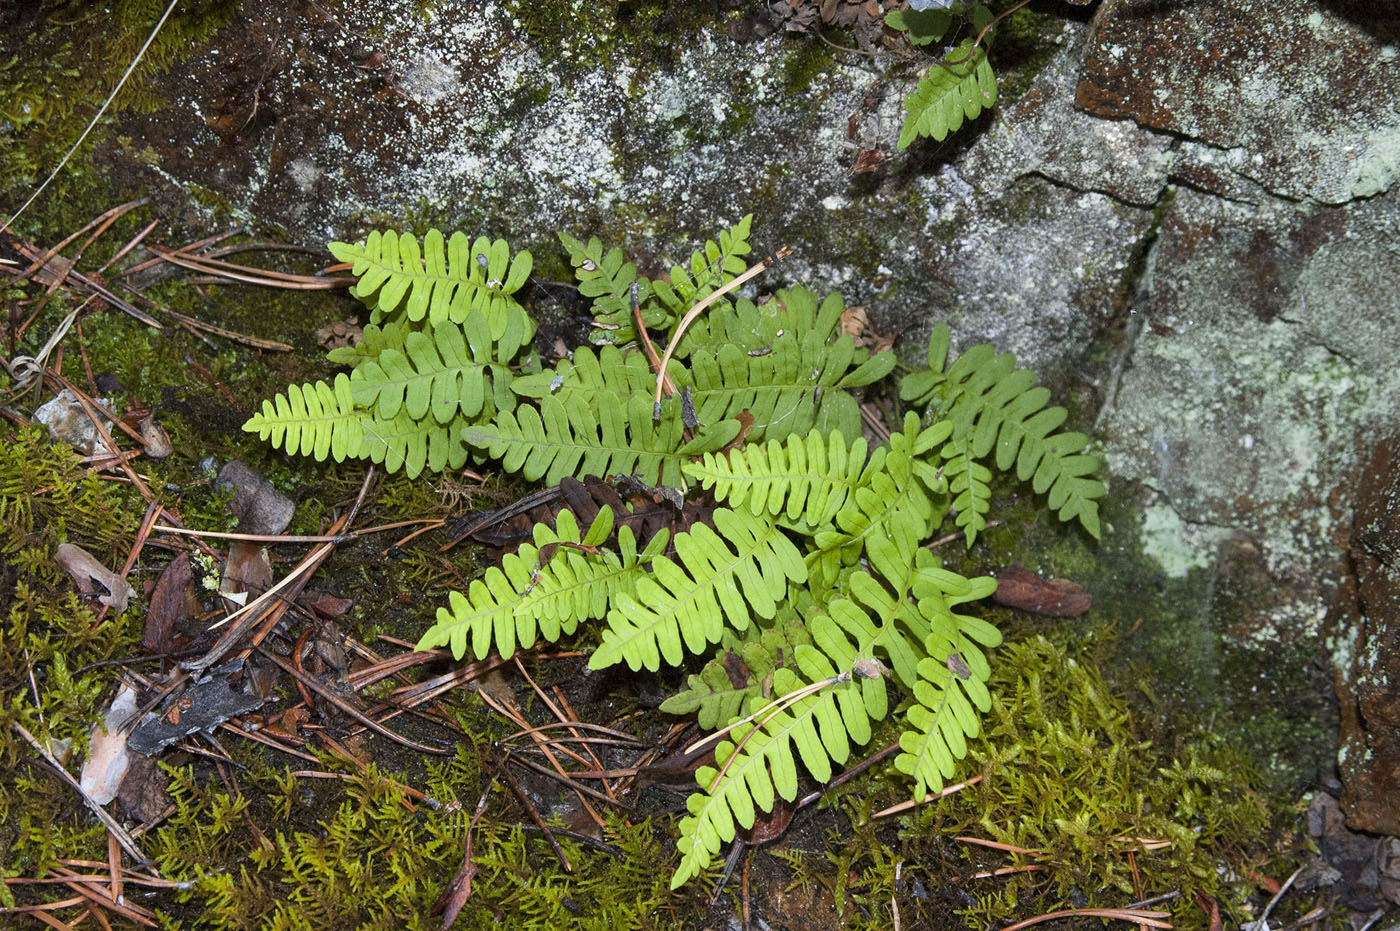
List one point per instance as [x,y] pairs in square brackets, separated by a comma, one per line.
[1369,683]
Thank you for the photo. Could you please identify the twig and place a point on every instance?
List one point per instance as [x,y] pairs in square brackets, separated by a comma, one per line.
[932,796]
[1151,919]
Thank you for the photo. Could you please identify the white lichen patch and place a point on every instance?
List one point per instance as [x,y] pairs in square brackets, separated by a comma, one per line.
[1178,546]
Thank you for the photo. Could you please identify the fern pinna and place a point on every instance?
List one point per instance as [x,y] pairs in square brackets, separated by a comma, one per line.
[805,583]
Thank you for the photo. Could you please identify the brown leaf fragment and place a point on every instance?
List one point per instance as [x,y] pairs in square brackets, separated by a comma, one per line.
[770,825]
[1018,587]
[86,570]
[143,795]
[339,334]
[736,669]
[459,889]
[170,604]
[154,437]
[248,568]
[107,758]
[325,604]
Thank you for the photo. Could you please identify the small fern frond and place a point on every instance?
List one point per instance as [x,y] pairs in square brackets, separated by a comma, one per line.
[444,280]
[711,266]
[807,479]
[317,420]
[607,277]
[756,764]
[524,600]
[609,372]
[995,407]
[739,569]
[960,87]
[564,436]
[941,720]
[443,371]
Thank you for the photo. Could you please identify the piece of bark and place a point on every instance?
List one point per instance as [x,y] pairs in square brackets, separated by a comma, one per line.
[1018,587]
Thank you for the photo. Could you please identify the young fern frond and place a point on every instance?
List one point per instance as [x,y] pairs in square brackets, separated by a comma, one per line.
[564,436]
[957,88]
[739,569]
[755,328]
[412,445]
[608,279]
[442,281]
[526,600]
[608,373]
[993,406]
[719,692]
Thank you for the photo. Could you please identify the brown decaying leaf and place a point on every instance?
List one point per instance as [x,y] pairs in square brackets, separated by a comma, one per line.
[248,568]
[169,605]
[107,757]
[86,570]
[770,825]
[1018,587]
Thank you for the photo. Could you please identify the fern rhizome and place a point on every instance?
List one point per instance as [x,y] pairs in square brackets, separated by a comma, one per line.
[809,571]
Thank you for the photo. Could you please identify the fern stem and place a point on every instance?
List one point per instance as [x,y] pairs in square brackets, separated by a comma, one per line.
[709,299]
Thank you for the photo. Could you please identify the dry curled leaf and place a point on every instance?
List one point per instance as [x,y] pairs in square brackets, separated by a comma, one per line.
[86,570]
[170,605]
[1018,587]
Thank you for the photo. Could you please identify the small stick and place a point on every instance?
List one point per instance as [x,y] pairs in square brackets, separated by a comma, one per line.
[533,812]
[709,299]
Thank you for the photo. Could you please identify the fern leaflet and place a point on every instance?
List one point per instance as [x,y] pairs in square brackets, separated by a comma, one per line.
[739,569]
[961,86]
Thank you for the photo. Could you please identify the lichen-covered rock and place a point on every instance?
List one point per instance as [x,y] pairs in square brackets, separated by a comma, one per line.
[1297,96]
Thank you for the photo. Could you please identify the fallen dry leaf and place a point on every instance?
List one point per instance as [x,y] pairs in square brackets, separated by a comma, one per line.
[1018,587]
[86,570]
[170,604]
[107,759]
[259,507]
[340,334]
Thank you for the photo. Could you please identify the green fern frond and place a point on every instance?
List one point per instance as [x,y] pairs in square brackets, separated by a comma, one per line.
[901,501]
[317,420]
[996,407]
[564,436]
[444,280]
[405,443]
[807,479]
[443,371]
[609,373]
[739,569]
[960,87]
[608,278]
[756,327]
[788,390]
[757,763]
[523,600]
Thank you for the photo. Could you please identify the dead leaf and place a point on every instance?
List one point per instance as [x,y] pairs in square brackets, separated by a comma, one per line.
[170,605]
[247,569]
[450,903]
[107,758]
[86,570]
[770,825]
[1018,587]
[154,437]
[143,796]
[325,604]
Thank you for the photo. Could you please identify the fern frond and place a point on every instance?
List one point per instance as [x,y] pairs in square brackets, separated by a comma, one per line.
[758,762]
[806,479]
[900,501]
[950,93]
[565,437]
[996,407]
[317,420]
[444,280]
[739,569]
[412,445]
[523,601]
[444,371]
[786,390]
[711,266]
[755,328]
[609,373]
